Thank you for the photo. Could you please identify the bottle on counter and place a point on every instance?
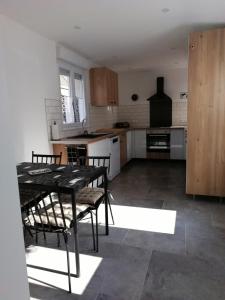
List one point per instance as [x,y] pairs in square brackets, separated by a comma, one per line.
[55,131]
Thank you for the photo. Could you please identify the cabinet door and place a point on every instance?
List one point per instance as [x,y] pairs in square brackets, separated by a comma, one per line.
[115,88]
[206,114]
[112,88]
[177,144]
[100,148]
[98,86]
[123,149]
[129,145]
[103,87]
[140,143]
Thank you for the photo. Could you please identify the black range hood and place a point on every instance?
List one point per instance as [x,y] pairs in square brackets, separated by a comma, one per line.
[160,107]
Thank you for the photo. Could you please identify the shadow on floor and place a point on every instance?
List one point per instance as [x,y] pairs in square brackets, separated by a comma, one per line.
[142,264]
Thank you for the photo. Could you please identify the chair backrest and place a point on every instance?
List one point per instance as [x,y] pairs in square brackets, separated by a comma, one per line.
[98,161]
[47,158]
[48,212]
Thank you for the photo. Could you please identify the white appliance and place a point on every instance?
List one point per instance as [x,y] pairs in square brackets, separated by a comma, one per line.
[106,147]
[114,147]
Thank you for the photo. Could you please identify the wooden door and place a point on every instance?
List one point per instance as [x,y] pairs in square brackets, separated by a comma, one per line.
[206,114]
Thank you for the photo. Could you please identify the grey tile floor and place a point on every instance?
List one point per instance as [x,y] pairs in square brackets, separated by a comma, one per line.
[140,264]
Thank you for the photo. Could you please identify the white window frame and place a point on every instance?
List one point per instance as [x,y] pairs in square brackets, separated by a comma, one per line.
[73,69]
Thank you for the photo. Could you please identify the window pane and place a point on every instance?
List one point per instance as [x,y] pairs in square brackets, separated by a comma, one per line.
[67,109]
[79,88]
[65,82]
[79,93]
[72,97]
[67,103]
[82,109]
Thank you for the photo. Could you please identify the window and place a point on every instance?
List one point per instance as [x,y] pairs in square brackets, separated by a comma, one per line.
[72,95]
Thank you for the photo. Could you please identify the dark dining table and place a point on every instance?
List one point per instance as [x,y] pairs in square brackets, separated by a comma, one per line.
[68,179]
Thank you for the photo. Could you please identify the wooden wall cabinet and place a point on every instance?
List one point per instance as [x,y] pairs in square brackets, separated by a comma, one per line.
[206,114]
[103,87]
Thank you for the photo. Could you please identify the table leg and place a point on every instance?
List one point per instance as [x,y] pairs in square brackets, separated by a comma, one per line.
[76,243]
[106,204]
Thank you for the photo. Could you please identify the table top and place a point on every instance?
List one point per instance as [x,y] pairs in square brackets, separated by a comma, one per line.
[66,177]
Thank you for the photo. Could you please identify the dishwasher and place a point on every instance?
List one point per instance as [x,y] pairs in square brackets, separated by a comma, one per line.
[114,145]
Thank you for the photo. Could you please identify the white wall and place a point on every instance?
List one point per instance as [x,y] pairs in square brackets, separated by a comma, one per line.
[32,73]
[13,277]
[31,68]
[143,83]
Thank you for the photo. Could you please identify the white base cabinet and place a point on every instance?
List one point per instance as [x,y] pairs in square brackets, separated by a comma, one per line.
[140,143]
[129,145]
[100,148]
[108,147]
[177,143]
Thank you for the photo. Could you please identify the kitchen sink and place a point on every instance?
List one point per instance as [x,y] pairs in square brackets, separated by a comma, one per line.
[87,136]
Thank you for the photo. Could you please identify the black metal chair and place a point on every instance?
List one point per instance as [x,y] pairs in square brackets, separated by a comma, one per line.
[47,158]
[27,197]
[94,193]
[53,213]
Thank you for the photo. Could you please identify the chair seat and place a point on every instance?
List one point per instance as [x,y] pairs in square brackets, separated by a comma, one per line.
[51,214]
[89,195]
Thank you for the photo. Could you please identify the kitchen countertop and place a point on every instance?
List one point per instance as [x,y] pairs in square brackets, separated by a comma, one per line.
[171,127]
[115,130]
[112,132]
[83,141]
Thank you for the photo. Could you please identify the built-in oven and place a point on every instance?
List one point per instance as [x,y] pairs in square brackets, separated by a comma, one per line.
[158,143]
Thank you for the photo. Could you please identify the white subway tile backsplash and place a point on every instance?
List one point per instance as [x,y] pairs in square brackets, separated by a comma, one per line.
[99,117]
[105,117]
[138,115]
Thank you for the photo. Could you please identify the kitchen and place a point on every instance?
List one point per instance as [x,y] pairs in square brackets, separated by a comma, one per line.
[134,136]
[75,81]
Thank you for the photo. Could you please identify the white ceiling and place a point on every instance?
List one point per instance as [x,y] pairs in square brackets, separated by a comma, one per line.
[123,34]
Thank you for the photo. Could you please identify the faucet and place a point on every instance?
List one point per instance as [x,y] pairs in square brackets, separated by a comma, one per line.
[82,124]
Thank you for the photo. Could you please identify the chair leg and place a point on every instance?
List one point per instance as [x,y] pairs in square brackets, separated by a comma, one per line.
[26,229]
[58,240]
[31,234]
[96,220]
[44,235]
[36,236]
[110,208]
[68,259]
[93,231]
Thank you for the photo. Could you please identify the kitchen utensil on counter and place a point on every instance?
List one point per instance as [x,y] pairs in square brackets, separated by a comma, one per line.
[122,125]
[55,131]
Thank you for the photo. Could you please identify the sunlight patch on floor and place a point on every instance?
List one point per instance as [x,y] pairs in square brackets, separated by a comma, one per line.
[140,218]
[56,259]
